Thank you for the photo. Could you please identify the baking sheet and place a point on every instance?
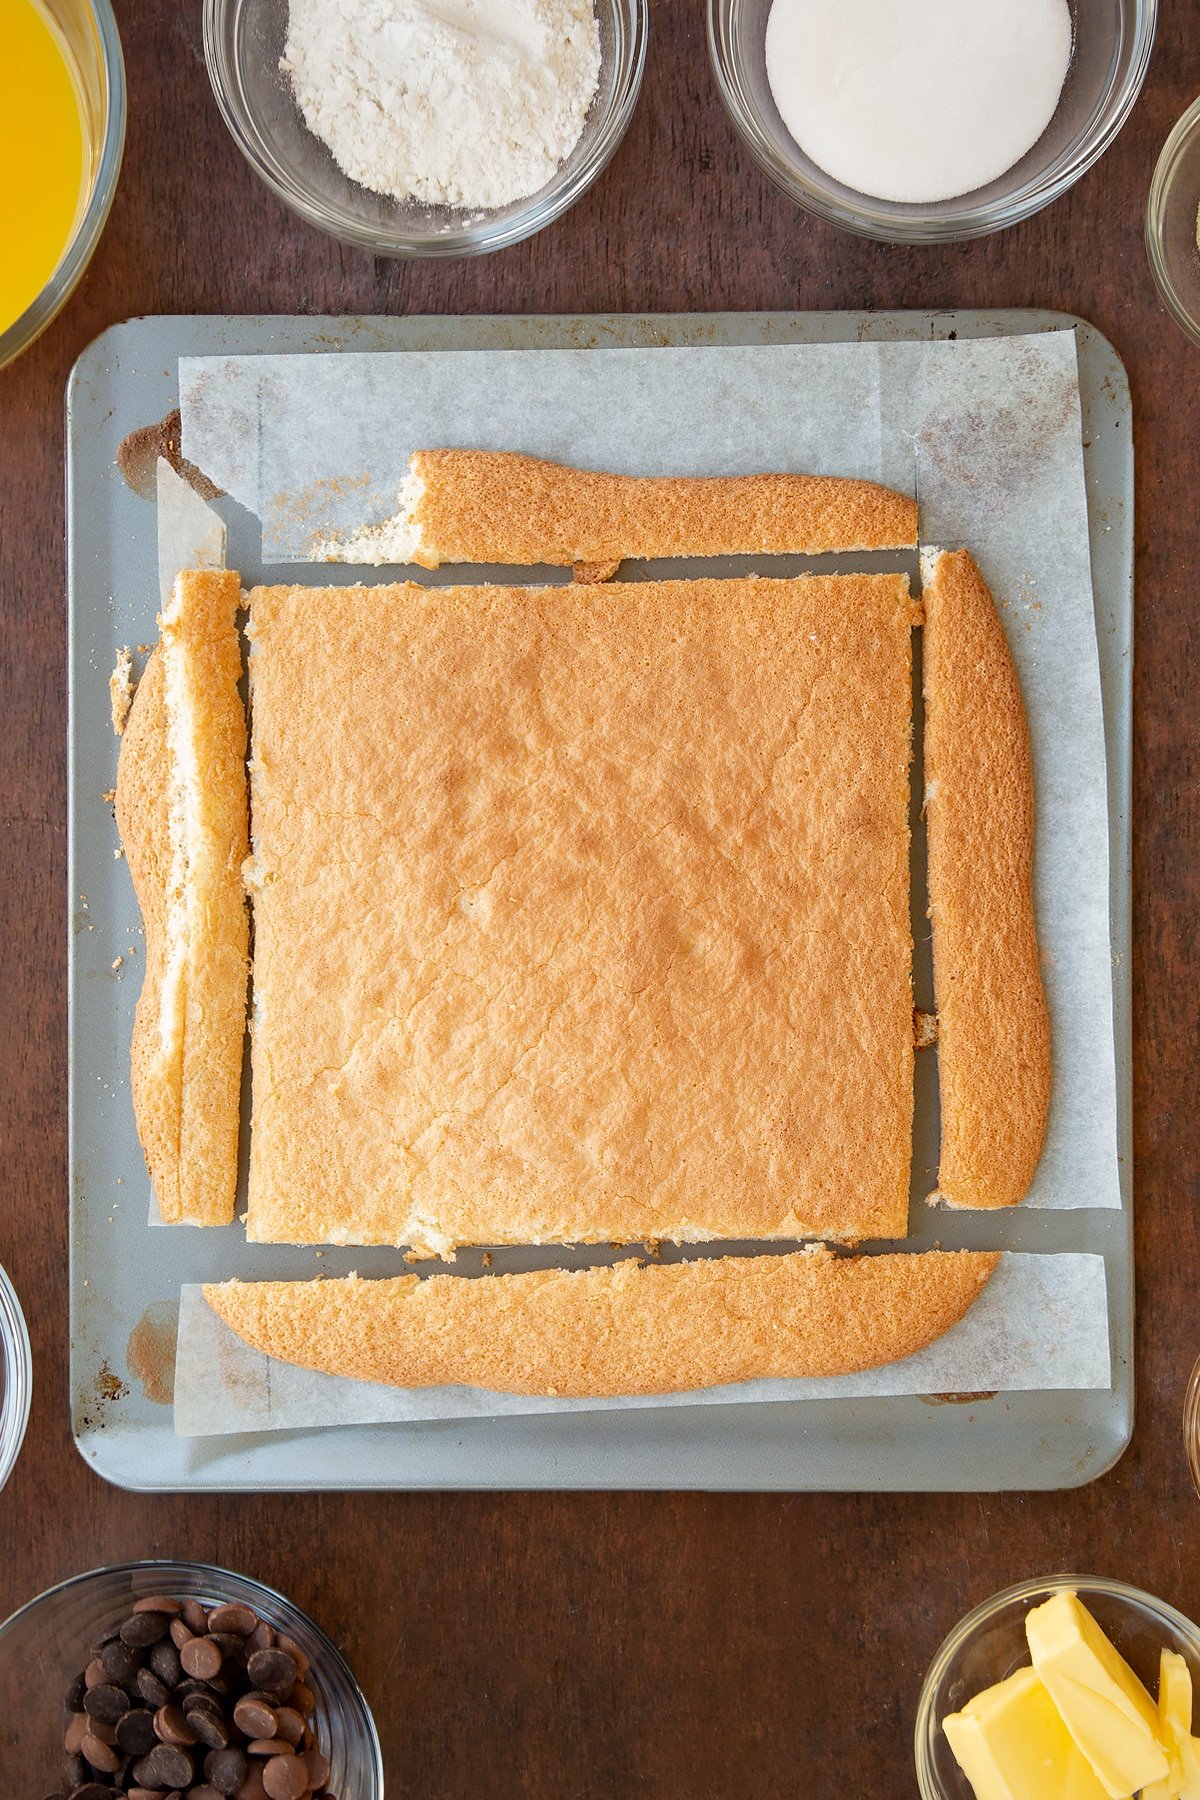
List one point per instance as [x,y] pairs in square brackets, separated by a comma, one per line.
[125,1285]
[987,434]
[1042,1321]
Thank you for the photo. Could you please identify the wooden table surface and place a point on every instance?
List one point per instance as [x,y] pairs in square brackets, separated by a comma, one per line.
[611,1644]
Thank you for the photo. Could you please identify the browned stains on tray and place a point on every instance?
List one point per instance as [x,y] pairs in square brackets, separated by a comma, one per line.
[138,454]
[150,1351]
[955,1399]
[109,1386]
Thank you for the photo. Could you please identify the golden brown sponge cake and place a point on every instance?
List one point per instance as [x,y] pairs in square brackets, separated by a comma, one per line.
[993,1026]
[181,810]
[581,913]
[626,1329]
[497,506]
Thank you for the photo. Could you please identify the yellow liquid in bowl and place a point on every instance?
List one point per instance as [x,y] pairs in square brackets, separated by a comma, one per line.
[41,154]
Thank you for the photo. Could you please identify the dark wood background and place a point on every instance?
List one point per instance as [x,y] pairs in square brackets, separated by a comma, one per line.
[578,1645]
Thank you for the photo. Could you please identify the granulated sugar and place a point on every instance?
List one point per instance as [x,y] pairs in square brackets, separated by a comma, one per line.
[917,100]
[471,103]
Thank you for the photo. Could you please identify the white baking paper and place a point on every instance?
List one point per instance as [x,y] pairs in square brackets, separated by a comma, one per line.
[1040,1323]
[190,534]
[986,432]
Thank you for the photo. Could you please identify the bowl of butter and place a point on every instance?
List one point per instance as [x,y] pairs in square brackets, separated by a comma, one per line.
[1071,1685]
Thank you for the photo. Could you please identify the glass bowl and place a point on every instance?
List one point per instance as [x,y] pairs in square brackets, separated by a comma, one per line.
[45,1645]
[243,41]
[1113,39]
[1191,1424]
[89,31]
[16,1378]
[1171,224]
[990,1644]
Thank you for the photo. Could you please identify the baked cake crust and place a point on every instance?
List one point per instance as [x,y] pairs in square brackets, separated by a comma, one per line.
[626,1329]
[182,814]
[993,1025]
[581,913]
[496,506]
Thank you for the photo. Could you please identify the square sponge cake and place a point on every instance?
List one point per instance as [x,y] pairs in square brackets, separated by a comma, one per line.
[581,913]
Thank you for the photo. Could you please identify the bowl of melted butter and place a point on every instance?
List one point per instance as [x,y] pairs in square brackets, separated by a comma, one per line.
[62,134]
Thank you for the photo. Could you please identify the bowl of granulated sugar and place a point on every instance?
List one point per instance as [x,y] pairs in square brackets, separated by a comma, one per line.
[925,121]
[410,128]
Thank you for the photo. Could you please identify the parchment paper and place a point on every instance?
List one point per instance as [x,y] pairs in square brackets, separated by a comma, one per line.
[986,432]
[1041,1322]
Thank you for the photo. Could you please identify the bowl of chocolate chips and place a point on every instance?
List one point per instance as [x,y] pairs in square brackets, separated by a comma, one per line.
[178,1681]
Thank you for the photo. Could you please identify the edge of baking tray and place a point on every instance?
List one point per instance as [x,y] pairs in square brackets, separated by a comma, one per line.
[1049,1440]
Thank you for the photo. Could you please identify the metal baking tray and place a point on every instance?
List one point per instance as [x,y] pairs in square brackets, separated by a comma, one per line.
[126,1276]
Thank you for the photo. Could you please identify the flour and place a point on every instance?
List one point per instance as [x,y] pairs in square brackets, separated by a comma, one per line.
[470,103]
[917,100]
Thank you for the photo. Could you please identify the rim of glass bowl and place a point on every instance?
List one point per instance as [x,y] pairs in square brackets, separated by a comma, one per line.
[468,240]
[225,1584]
[1178,139]
[925,1727]
[1191,1413]
[873,219]
[18,1377]
[76,257]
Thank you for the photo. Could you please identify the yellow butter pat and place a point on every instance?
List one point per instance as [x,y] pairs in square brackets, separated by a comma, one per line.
[1103,1705]
[1011,1744]
[1175,1729]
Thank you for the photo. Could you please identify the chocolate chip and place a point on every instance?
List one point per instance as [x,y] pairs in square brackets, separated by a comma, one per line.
[181,1633]
[289,1725]
[210,1728]
[255,1718]
[154,1692]
[108,1704]
[198,1695]
[74,1770]
[229,1643]
[294,1651]
[121,1663]
[141,1629]
[103,1636]
[159,1603]
[170,1726]
[167,1766]
[100,1755]
[226,1770]
[164,1660]
[95,1675]
[303,1699]
[318,1768]
[273,1746]
[195,1617]
[273,1670]
[77,1725]
[261,1638]
[202,1658]
[234,1617]
[73,1698]
[285,1778]
[193,1690]
[136,1735]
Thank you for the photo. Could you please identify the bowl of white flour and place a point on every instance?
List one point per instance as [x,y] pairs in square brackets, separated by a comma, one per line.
[427,127]
[927,121]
